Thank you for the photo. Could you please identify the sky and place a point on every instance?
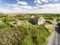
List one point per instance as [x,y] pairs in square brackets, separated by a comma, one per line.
[30,6]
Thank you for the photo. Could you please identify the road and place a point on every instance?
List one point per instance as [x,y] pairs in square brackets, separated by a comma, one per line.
[56,39]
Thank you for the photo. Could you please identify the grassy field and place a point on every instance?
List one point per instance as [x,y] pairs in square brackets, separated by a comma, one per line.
[26,33]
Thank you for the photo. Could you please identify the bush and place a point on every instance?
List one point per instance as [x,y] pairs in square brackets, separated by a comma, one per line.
[27,39]
[25,34]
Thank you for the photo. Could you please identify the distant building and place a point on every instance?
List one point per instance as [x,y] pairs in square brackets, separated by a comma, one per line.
[40,21]
[33,20]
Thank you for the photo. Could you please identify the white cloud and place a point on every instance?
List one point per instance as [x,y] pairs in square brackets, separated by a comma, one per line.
[26,7]
[40,1]
[48,8]
[19,6]
[37,1]
[12,5]
[44,0]
[22,3]
[51,6]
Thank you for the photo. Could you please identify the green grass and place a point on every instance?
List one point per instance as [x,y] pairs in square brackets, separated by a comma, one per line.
[25,34]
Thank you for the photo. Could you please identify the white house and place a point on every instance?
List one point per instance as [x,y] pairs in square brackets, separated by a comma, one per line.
[41,20]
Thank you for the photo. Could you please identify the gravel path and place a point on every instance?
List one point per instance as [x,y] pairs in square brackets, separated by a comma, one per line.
[50,39]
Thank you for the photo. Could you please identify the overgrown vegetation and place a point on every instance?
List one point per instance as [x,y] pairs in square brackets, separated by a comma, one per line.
[25,34]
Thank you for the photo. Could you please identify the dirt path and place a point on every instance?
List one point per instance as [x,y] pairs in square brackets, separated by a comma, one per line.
[50,39]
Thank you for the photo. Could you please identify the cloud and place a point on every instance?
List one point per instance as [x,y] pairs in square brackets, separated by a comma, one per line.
[44,0]
[26,7]
[52,6]
[19,6]
[40,1]
[22,3]
[23,7]
[37,1]
[12,5]
[49,8]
